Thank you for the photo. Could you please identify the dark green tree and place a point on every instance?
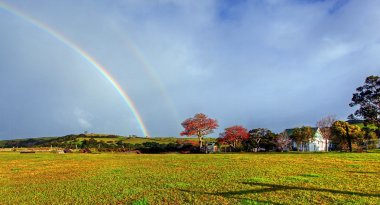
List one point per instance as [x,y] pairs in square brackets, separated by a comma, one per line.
[302,136]
[367,97]
[369,137]
[119,143]
[260,137]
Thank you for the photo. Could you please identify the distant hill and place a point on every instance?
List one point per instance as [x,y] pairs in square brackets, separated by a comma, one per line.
[103,139]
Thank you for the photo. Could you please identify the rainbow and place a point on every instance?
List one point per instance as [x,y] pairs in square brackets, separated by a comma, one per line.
[86,56]
[148,70]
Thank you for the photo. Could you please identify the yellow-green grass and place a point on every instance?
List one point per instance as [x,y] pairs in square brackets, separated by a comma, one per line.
[307,178]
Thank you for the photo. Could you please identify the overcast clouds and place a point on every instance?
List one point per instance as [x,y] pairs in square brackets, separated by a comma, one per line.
[260,63]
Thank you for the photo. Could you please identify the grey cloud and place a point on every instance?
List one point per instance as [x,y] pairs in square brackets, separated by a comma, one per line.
[274,64]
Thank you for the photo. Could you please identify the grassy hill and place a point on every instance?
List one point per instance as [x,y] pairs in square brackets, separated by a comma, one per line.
[103,138]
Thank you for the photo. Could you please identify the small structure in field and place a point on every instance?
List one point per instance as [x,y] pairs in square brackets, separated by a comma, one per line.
[211,147]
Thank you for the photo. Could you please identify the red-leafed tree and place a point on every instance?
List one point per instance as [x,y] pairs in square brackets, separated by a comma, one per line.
[199,125]
[234,135]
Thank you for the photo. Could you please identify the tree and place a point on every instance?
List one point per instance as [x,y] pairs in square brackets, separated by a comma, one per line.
[282,141]
[234,135]
[297,136]
[120,143]
[199,125]
[324,126]
[259,136]
[369,137]
[346,134]
[302,135]
[368,99]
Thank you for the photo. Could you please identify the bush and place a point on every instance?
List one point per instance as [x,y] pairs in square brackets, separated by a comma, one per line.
[85,150]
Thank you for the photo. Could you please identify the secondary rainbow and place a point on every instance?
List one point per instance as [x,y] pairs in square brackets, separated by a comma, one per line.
[148,70]
[86,56]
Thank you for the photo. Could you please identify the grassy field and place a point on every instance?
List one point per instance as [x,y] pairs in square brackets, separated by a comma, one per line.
[310,178]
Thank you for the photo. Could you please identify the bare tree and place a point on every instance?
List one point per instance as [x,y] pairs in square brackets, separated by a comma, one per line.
[324,126]
[282,141]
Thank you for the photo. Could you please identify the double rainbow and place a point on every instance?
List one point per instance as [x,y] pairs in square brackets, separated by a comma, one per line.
[101,69]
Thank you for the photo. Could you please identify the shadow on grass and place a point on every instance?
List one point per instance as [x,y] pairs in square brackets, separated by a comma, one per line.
[274,187]
[243,200]
[360,172]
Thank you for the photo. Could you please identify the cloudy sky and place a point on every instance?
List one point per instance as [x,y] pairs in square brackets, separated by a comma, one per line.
[260,63]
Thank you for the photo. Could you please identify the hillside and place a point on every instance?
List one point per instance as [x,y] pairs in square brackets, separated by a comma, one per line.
[103,139]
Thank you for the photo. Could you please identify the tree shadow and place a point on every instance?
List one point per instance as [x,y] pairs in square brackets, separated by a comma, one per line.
[275,187]
[360,172]
[231,196]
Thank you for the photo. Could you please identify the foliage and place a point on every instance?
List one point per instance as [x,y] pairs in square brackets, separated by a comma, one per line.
[260,138]
[108,143]
[346,134]
[302,136]
[367,97]
[199,125]
[370,139]
[234,136]
[282,141]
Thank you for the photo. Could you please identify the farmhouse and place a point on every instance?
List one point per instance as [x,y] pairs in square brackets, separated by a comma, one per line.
[317,144]
[211,147]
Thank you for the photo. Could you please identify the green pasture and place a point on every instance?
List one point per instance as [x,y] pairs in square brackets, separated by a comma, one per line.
[291,178]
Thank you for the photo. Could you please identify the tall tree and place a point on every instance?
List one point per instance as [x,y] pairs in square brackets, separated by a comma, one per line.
[259,136]
[324,126]
[296,135]
[199,125]
[368,99]
[369,137]
[346,134]
[234,135]
[309,134]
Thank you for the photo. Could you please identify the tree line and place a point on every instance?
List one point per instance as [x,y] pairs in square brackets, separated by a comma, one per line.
[341,135]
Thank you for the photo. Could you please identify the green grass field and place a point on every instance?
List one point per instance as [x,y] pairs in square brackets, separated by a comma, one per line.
[310,178]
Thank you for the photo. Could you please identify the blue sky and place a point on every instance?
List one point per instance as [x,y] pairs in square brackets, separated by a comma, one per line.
[261,63]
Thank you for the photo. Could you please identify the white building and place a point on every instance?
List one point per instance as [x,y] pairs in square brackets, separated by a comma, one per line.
[317,144]
[211,147]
